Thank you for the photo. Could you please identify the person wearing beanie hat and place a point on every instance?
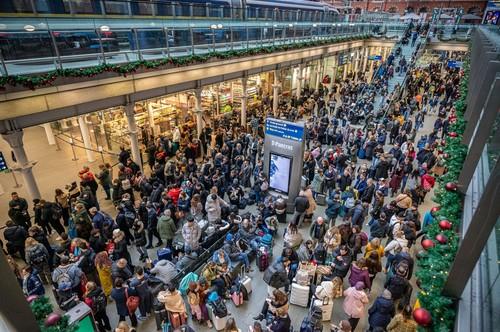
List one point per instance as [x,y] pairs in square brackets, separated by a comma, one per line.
[355,302]
[382,311]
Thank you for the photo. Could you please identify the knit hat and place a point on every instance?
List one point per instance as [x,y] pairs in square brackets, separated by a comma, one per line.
[386,294]
[360,285]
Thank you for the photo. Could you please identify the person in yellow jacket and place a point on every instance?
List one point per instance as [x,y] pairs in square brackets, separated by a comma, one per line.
[103,265]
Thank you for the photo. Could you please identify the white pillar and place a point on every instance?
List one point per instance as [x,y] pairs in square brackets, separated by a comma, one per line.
[24,166]
[276,91]
[198,111]
[356,64]
[49,133]
[334,73]
[151,119]
[319,70]
[370,72]
[365,53]
[244,99]
[84,129]
[385,51]
[299,78]
[132,131]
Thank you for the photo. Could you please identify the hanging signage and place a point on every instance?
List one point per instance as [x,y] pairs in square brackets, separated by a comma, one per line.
[454,64]
[375,57]
[343,59]
[284,129]
[3,163]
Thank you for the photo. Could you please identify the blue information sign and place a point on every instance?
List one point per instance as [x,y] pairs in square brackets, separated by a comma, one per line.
[3,163]
[284,129]
[375,57]
[454,64]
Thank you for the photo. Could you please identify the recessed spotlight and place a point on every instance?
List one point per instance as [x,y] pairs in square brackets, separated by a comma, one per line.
[29,28]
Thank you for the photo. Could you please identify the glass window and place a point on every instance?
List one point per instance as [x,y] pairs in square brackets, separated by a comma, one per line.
[116,7]
[203,36]
[164,9]
[493,144]
[141,8]
[78,42]
[199,10]
[180,37]
[16,6]
[239,34]
[50,6]
[151,39]
[83,6]
[26,45]
[253,33]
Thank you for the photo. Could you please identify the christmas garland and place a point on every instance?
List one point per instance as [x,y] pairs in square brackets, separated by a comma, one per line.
[442,237]
[36,81]
[47,320]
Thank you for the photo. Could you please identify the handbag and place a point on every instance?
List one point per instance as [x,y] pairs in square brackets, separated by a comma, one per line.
[132,302]
[309,267]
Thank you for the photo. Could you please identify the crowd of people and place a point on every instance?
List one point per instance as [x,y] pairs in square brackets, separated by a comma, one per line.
[363,162]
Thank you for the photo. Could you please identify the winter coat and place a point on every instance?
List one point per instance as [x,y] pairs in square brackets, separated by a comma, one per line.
[104,274]
[16,235]
[381,312]
[400,324]
[191,235]
[293,240]
[305,255]
[214,208]
[166,227]
[312,203]
[164,270]
[32,285]
[276,275]
[332,240]
[35,251]
[354,302]
[317,182]
[318,231]
[378,228]
[333,208]
[398,285]
[358,274]
[341,266]
[73,271]
[116,272]
[301,204]
[144,292]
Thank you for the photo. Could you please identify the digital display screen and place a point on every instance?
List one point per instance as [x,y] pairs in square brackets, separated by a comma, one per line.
[3,164]
[280,168]
[492,17]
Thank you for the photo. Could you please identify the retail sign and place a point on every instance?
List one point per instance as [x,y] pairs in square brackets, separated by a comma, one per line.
[3,163]
[454,64]
[284,129]
[375,57]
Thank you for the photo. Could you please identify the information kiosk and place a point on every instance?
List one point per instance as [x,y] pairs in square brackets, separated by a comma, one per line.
[283,158]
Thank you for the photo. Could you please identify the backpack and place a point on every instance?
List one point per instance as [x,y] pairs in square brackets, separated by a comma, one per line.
[364,238]
[130,218]
[219,308]
[320,253]
[126,184]
[132,302]
[99,302]
[38,256]
[56,210]
[64,281]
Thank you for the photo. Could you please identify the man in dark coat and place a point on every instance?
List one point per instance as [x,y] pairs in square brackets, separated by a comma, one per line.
[18,211]
[15,236]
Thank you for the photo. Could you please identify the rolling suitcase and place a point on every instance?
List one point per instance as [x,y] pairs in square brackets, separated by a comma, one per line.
[218,322]
[246,282]
[326,305]
[321,199]
[262,260]
[165,253]
[300,295]
[160,313]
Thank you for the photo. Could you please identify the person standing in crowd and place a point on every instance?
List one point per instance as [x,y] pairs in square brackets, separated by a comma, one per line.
[354,303]
[120,294]
[166,228]
[15,236]
[95,298]
[18,211]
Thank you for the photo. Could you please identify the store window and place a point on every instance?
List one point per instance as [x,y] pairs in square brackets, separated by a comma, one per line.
[81,42]
[26,45]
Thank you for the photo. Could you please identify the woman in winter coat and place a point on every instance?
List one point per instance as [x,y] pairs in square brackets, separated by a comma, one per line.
[82,221]
[317,182]
[394,247]
[140,240]
[31,282]
[103,265]
[359,272]
[119,294]
[334,204]
[214,205]
[292,238]
[332,239]
[306,251]
[307,192]
[403,321]
[140,285]
[120,243]
[354,303]
[196,207]
[173,301]
[382,311]
[341,261]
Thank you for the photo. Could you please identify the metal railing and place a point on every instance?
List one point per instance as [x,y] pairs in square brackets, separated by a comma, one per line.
[59,44]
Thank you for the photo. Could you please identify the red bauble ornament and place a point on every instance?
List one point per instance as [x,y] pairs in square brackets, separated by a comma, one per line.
[445,225]
[31,298]
[451,186]
[427,244]
[52,319]
[441,238]
[435,209]
[422,317]
[453,134]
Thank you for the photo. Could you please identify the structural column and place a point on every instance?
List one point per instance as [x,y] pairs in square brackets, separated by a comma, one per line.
[24,166]
[366,53]
[151,119]
[49,133]
[370,72]
[319,70]
[300,78]
[356,64]
[334,72]
[276,90]
[244,99]
[132,130]
[84,129]
[198,111]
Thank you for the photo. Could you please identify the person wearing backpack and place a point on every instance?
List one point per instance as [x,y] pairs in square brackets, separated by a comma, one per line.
[86,262]
[51,213]
[394,247]
[120,294]
[67,277]
[37,256]
[95,298]
[31,282]
[397,284]
[356,241]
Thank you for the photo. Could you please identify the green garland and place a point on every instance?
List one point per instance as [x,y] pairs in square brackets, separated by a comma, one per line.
[36,81]
[41,308]
[436,262]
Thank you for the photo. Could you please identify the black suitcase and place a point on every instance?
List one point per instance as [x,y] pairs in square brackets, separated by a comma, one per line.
[160,313]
